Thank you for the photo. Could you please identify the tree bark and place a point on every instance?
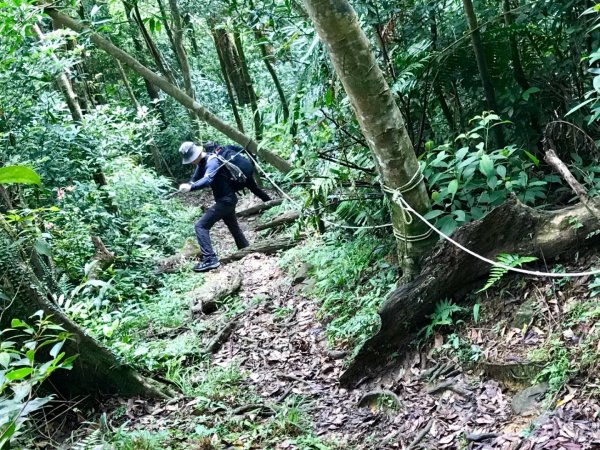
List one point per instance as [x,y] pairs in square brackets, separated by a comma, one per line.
[258,208]
[162,68]
[484,73]
[267,58]
[232,62]
[165,21]
[96,371]
[132,96]
[152,90]
[256,116]
[380,119]
[64,84]
[180,96]
[448,272]
[180,49]
[227,81]
[515,55]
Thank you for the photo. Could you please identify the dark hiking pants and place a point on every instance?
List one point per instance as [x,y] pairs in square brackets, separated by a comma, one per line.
[253,187]
[219,211]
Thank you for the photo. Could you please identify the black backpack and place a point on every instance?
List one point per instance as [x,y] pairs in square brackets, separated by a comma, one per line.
[237,168]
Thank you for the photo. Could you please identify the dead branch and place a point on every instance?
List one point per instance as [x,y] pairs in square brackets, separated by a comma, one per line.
[553,159]
[473,437]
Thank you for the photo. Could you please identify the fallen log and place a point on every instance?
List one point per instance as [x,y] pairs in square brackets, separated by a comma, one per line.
[206,298]
[259,208]
[283,219]
[266,247]
[448,272]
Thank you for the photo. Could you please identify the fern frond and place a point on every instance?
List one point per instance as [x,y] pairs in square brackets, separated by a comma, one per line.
[496,273]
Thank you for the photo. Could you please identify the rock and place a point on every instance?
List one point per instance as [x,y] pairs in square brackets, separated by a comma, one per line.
[526,402]
[524,315]
[302,273]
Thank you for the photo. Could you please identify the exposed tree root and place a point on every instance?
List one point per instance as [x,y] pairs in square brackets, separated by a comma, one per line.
[222,336]
[266,247]
[259,208]
[173,263]
[448,272]
[473,437]
[419,437]
[221,284]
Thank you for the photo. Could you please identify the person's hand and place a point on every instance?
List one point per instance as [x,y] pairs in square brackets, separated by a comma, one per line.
[185,187]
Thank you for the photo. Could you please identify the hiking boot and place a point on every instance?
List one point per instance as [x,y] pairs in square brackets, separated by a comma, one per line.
[207,265]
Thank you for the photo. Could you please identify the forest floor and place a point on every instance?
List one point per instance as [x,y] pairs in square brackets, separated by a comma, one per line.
[274,383]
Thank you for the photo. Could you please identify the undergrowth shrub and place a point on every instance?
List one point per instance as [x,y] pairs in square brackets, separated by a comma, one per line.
[352,278]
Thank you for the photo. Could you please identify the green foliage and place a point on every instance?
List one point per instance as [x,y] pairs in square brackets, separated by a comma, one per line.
[442,315]
[496,272]
[18,174]
[352,277]
[468,182]
[24,367]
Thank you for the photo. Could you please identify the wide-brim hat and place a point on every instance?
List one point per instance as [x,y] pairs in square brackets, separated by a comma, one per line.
[189,152]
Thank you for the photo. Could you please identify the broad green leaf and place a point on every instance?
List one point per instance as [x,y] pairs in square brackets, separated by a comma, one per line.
[486,166]
[433,214]
[18,174]
[531,156]
[453,187]
[5,359]
[528,92]
[581,105]
[18,374]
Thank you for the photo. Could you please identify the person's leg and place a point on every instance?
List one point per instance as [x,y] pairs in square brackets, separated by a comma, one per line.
[203,226]
[253,187]
[235,230]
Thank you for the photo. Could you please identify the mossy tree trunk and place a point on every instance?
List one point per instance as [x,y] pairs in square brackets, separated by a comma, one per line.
[256,116]
[379,117]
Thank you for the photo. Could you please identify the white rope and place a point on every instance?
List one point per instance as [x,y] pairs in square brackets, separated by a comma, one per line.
[496,263]
[403,204]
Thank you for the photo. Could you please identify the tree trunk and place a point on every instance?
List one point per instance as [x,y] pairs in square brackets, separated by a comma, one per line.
[515,55]
[180,50]
[151,89]
[486,79]
[448,272]
[232,62]
[227,81]
[96,371]
[267,58]
[249,86]
[132,96]
[162,68]
[192,33]
[380,119]
[64,84]
[165,21]
[177,94]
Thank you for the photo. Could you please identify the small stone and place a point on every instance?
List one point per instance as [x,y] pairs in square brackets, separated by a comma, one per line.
[526,402]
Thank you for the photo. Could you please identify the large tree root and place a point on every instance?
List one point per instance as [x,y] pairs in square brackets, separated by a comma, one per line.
[259,208]
[266,247]
[207,298]
[448,272]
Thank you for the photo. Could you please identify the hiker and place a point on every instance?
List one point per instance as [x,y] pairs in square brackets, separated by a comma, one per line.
[210,172]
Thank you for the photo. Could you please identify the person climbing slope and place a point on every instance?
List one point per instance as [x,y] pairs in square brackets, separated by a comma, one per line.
[210,171]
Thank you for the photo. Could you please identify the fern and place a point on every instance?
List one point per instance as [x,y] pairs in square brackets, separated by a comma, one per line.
[508,260]
[442,315]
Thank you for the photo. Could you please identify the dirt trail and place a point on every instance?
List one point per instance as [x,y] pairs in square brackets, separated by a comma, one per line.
[281,348]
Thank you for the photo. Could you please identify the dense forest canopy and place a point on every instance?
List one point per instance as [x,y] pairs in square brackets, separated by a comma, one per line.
[359,115]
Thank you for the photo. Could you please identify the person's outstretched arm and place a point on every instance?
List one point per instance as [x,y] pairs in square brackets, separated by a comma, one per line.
[212,166]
